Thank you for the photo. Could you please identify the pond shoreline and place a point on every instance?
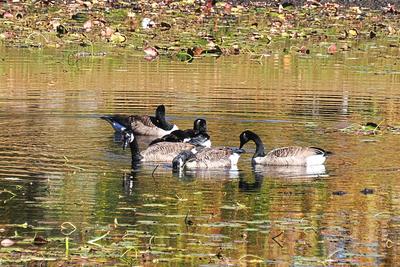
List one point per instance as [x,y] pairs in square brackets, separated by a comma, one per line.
[187,29]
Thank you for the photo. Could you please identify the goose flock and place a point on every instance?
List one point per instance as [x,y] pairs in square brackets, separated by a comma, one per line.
[191,148]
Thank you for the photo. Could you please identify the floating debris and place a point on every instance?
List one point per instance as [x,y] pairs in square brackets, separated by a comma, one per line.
[339,193]
[7,242]
[367,191]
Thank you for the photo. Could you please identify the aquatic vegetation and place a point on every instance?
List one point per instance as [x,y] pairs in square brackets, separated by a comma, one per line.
[370,128]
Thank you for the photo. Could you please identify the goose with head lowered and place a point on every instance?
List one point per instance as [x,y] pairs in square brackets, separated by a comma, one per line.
[197,136]
[207,158]
[142,124]
[284,156]
[159,152]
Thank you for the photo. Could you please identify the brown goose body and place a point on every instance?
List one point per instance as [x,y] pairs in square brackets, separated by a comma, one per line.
[208,158]
[292,155]
[164,151]
[159,152]
[216,157]
[284,156]
[143,125]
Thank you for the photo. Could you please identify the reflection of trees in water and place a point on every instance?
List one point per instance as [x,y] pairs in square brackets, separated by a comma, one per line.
[14,208]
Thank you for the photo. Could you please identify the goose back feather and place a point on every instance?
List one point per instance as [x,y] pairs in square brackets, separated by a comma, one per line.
[160,152]
[293,155]
[164,151]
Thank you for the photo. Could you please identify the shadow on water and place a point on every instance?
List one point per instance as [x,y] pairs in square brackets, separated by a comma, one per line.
[284,173]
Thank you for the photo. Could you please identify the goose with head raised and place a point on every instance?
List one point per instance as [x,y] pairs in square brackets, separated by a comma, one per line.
[142,124]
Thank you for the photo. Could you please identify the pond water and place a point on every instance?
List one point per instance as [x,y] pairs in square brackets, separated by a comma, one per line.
[61,167]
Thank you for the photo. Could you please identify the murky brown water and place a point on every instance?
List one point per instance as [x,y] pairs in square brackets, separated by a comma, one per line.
[63,165]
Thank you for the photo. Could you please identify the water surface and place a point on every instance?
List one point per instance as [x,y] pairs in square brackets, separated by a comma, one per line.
[59,162]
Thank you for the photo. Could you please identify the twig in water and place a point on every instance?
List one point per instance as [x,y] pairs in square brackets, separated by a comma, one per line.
[129,249]
[251,256]
[151,240]
[276,240]
[66,246]
[152,174]
[92,242]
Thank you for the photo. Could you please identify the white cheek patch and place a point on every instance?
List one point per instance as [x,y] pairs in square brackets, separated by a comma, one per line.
[174,128]
[131,137]
[186,140]
[206,143]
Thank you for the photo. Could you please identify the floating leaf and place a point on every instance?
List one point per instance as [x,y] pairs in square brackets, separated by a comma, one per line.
[332,49]
[117,38]
[353,32]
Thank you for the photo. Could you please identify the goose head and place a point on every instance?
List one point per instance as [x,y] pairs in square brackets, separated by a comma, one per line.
[200,126]
[246,136]
[179,161]
[160,111]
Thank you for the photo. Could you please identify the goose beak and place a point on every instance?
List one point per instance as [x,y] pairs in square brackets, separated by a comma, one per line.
[241,145]
[239,150]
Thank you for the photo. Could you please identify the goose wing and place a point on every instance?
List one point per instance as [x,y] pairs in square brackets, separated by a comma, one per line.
[164,151]
[143,120]
[216,157]
[213,154]
[292,155]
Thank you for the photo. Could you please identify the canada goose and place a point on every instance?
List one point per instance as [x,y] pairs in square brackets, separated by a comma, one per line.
[284,156]
[207,158]
[163,151]
[197,136]
[143,124]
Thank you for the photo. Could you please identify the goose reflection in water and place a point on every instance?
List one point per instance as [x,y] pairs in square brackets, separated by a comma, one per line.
[305,172]
[207,174]
[289,173]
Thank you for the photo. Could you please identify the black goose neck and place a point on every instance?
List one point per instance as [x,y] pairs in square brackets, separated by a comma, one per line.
[259,146]
[136,157]
[163,123]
